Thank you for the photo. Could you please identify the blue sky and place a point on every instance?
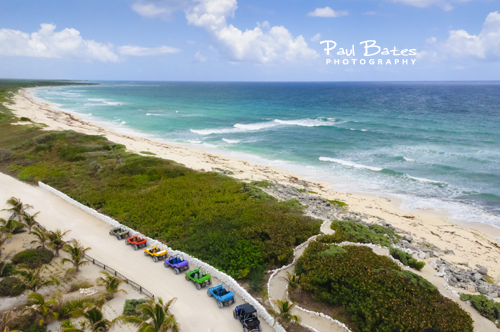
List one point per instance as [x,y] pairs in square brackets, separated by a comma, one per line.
[230,40]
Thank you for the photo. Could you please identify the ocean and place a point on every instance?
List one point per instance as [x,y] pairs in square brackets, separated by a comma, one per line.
[433,145]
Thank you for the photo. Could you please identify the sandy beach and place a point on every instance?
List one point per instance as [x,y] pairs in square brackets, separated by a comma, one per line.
[471,243]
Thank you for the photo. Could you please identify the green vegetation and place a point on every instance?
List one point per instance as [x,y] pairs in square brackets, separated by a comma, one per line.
[131,307]
[406,259]
[375,292]
[486,307]
[79,285]
[157,317]
[339,203]
[256,279]
[355,232]
[301,190]
[10,286]
[33,258]
[148,153]
[262,184]
[24,119]
[234,226]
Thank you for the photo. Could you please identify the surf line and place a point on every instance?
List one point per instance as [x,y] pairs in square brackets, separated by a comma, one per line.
[372,62]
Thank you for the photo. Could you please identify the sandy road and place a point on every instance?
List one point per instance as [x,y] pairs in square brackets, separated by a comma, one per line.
[194,310]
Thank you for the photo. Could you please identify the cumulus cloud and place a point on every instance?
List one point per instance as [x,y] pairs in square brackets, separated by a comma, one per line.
[327,12]
[484,46]
[199,57]
[68,44]
[276,45]
[444,4]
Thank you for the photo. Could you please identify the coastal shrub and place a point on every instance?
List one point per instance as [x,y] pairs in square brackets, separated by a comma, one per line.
[256,279]
[301,190]
[24,119]
[65,309]
[78,285]
[333,250]
[374,291]
[33,258]
[27,322]
[131,307]
[148,153]
[355,232]
[262,184]
[406,259]
[339,203]
[255,192]
[486,307]
[293,204]
[8,268]
[7,287]
[5,154]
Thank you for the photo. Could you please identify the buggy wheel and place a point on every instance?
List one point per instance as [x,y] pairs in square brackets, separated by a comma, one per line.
[198,286]
[245,329]
[119,237]
[260,328]
[220,304]
[166,265]
[232,301]
[136,247]
[187,278]
[155,259]
[209,294]
[234,314]
[186,267]
[176,271]
[209,281]
[145,253]
[127,243]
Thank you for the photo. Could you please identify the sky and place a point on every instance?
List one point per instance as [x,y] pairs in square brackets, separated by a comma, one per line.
[251,40]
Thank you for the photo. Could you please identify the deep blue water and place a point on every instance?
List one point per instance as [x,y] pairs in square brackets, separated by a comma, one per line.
[432,144]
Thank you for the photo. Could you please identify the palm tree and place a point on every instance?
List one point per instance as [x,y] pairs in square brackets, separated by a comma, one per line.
[111,283]
[95,320]
[43,309]
[17,208]
[56,241]
[293,280]
[33,280]
[42,237]
[5,320]
[283,312]
[29,221]
[157,317]
[77,255]
[8,227]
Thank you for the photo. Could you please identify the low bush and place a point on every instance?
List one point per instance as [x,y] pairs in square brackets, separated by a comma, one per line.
[376,293]
[65,310]
[256,279]
[26,323]
[78,285]
[131,308]
[262,184]
[148,153]
[7,270]
[406,259]
[7,287]
[339,203]
[486,307]
[24,119]
[352,231]
[33,258]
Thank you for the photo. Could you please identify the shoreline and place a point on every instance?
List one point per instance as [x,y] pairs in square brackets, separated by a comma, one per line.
[432,225]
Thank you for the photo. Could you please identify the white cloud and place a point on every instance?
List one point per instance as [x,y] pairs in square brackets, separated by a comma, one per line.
[327,12]
[159,8]
[431,40]
[200,57]
[316,37]
[67,44]
[277,45]
[444,4]
[370,13]
[46,43]
[484,46]
[146,51]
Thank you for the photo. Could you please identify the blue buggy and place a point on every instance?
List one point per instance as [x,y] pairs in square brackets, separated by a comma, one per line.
[223,296]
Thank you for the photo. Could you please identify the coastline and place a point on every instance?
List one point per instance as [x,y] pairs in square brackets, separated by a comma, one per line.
[472,243]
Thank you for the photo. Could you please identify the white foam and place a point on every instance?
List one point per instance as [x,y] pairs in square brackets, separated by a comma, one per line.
[350,164]
[231,141]
[308,122]
[408,159]
[423,179]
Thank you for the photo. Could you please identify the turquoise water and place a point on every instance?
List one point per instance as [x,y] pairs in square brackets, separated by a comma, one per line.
[435,145]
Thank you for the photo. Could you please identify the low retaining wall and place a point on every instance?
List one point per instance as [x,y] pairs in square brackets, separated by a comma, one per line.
[193,261]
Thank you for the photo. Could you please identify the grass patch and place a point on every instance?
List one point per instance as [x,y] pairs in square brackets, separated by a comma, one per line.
[7,287]
[376,294]
[301,190]
[406,259]
[312,192]
[24,119]
[355,232]
[148,153]
[78,285]
[339,203]
[33,258]
[262,184]
[486,307]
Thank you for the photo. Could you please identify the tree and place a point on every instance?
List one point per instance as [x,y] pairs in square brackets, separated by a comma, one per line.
[5,319]
[29,221]
[95,320]
[77,255]
[43,309]
[111,283]
[157,317]
[8,227]
[56,241]
[33,280]
[42,237]
[283,313]
[17,208]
